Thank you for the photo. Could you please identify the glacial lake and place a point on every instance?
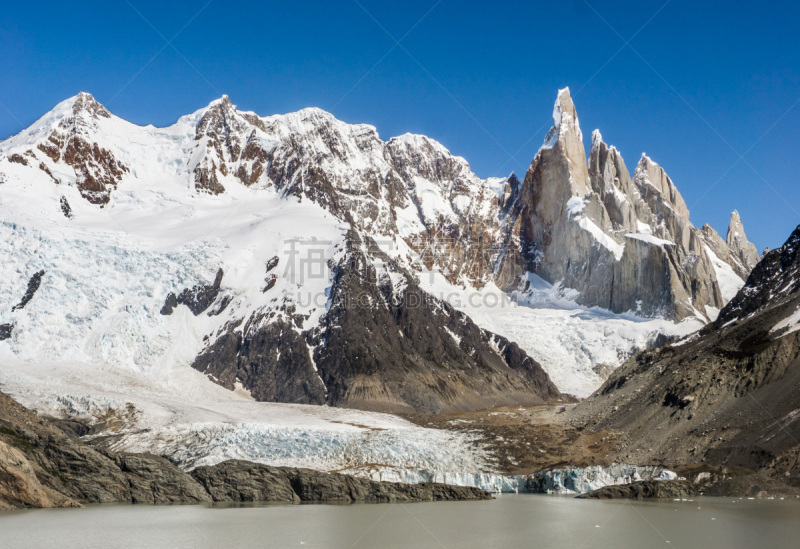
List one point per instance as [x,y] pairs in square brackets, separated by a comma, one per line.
[510,521]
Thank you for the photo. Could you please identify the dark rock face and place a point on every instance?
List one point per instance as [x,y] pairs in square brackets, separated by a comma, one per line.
[240,481]
[72,472]
[73,428]
[385,348]
[198,298]
[62,465]
[153,479]
[40,466]
[218,128]
[644,489]
[271,360]
[776,275]
[724,397]
[235,481]
[65,208]
[5,331]
[33,285]
[271,280]
[403,349]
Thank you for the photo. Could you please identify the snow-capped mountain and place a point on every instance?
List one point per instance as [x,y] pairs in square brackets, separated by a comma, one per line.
[298,258]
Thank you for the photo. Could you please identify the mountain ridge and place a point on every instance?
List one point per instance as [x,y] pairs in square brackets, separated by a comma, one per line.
[404,210]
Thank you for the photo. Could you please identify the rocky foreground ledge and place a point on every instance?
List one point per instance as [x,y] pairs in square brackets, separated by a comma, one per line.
[41,466]
[234,481]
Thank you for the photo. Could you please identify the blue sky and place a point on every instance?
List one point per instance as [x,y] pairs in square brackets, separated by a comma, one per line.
[695,85]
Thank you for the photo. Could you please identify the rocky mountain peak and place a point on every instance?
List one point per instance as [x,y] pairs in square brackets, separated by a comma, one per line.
[418,155]
[226,134]
[565,117]
[68,145]
[597,140]
[220,117]
[737,241]
[719,247]
[624,243]
[652,180]
[85,103]
[566,139]
[714,241]
[224,100]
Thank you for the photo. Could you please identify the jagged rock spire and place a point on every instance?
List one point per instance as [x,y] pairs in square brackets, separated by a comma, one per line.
[737,241]
[650,177]
[624,243]
[567,138]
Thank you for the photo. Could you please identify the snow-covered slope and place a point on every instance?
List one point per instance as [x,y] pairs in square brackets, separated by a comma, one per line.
[578,345]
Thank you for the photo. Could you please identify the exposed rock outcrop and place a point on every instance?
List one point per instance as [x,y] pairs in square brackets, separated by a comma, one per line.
[737,251]
[66,468]
[241,481]
[33,285]
[153,479]
[65,208]
[198,298]
[720,248]
[97,170]
[19,486]
[741,248]
[270,359]
[644,489]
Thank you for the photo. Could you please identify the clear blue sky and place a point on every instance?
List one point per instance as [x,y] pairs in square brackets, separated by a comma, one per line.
[700,84]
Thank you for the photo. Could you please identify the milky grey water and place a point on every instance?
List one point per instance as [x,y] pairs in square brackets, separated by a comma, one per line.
[509,521]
